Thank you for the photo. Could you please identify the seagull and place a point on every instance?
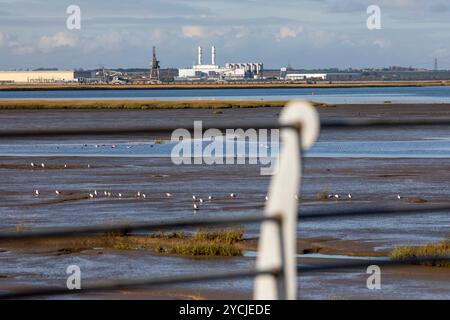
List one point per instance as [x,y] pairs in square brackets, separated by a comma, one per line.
[200,200]
[194,197]
[36,192]
[113,146]
[109,194]
[144,196]
[168,194]
[91,195]
[32,164]
[95,192]
[196,207]
[57,192]
[105,193]
[336,196]
[65,166]
[232,195]
[296,197]
[138,194]
[349,196]
[267,198]
[42,165]
[120,195]
[399,197]
[89,165]
[210,198]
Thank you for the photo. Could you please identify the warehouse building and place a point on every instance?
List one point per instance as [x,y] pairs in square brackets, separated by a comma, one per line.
[53,76]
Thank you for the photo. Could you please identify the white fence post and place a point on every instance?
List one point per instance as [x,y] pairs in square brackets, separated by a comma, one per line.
[277,248]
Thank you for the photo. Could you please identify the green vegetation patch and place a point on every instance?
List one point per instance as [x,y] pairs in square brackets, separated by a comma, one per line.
[429,250]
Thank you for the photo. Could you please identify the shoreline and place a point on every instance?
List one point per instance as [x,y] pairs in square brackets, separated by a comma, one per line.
[141,104]
[257,85]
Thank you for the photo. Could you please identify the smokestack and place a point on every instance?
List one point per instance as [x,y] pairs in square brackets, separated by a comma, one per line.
[199,55]
[213,55]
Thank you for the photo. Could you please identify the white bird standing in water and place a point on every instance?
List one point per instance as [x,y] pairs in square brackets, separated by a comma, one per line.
[91,195]
[144,195]
[399,197]
[200,200]
[32,164]
[57,192]
[196,207]
[349,196]
[336,196]
[105,193]
[168,194]
[267,198]
[232,195]
[120,195]
[42,165]
[194,197]
[36,192]
[95,192]
[210,198]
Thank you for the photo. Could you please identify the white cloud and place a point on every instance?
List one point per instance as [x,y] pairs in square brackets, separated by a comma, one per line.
[11,42]
[382,43]
[203,32]
[58,40]
[288,32]
[20,50]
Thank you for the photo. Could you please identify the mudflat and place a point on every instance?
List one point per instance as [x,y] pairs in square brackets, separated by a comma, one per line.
[370,181]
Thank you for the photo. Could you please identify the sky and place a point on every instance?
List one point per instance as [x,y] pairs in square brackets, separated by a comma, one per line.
[301,33]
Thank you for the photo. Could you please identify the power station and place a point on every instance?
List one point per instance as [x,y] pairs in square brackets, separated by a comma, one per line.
[213,71]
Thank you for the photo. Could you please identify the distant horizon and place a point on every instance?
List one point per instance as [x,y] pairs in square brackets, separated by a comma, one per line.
[172,67]
[308,34]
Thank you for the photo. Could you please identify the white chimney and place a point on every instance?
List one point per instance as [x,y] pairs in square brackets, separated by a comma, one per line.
[213,55]
[199,55]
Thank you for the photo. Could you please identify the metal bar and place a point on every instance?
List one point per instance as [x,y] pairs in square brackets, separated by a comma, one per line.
[177,224]
[139,283]
[90,230]
[158,130]
[378,262]
[161,281]
[358,123]
[363,212]
[155,130]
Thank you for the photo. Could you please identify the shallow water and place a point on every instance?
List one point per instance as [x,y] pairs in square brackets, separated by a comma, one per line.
[326,95]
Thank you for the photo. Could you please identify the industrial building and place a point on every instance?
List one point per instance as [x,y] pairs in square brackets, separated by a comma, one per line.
[305,76]
[36,76]
[231,71]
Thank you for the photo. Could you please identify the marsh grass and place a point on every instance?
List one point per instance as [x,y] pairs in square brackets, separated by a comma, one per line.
[21,226]
[134,104]
[229,236]
[322,196]
[222,243]
[428,250]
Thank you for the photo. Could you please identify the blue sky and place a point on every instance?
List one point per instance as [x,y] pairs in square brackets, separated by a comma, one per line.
[303,33]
